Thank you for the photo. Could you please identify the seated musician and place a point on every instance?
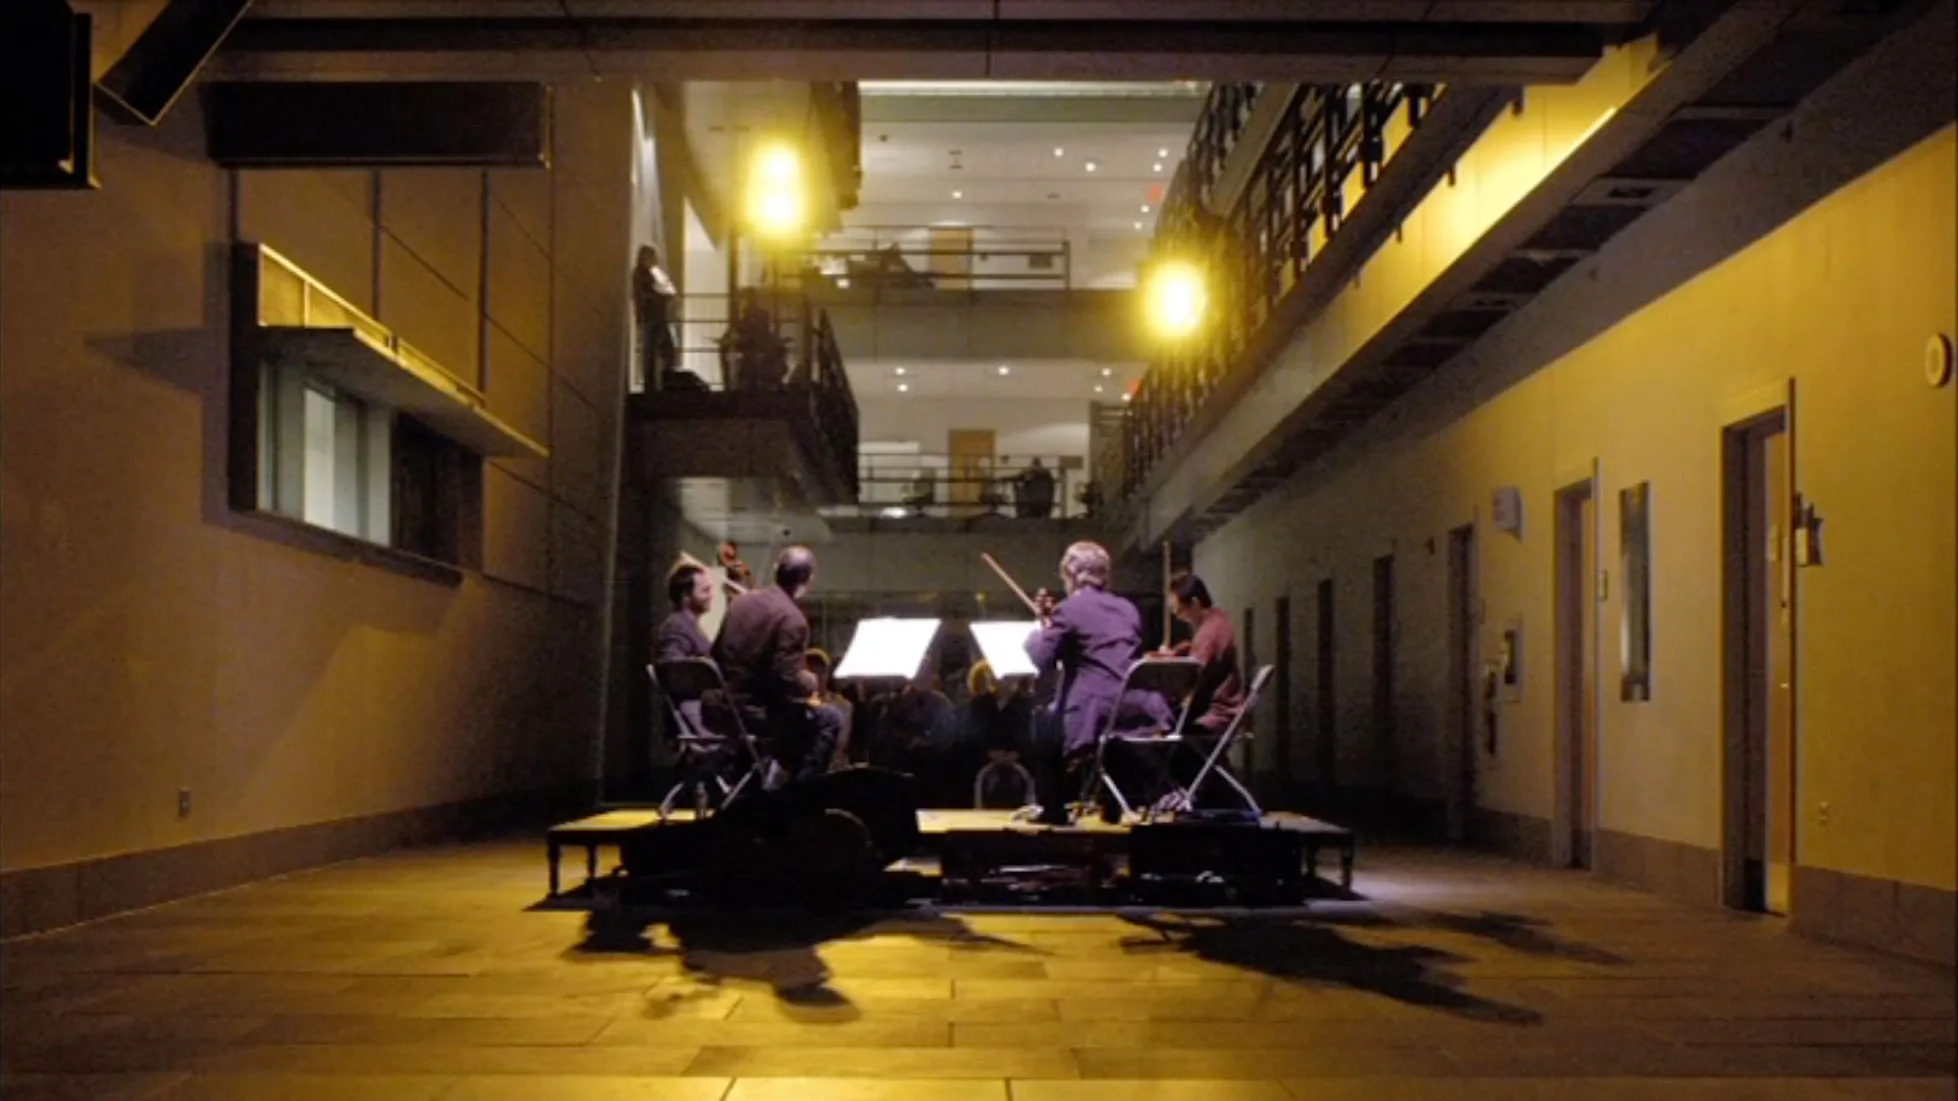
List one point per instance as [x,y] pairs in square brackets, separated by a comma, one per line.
[690,589]
[818,663]
[998,721]
[762,651]
[1092,637]
[1219,691]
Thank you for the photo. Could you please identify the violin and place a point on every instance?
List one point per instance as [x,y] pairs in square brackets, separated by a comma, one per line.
[740,578]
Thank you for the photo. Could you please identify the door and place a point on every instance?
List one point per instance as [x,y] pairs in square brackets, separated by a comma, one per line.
[969,453]
[1281,689]
[1760,642]
[950,257]
[1325,725]
[1464,684]
[1383,672]
[1577,681]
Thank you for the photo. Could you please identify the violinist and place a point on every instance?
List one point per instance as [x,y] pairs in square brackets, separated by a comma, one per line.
[762,652]
[1091,637]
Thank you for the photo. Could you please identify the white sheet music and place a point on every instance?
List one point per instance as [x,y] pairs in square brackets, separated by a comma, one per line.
[887,648]
[1005,645]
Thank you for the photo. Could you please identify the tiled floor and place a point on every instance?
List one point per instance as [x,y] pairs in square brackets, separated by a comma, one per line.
[421,975]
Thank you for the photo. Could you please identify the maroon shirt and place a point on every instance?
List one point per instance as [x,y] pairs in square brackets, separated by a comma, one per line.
[1220,690]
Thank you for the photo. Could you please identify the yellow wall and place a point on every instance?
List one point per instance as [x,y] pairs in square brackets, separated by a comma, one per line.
[151,642]
[1838,301]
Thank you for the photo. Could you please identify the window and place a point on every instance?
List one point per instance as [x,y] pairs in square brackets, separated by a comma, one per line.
[324,456]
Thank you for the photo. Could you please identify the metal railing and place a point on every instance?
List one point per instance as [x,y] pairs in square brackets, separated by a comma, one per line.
[1328,148]
[902,484]
[961,258]
[762,339]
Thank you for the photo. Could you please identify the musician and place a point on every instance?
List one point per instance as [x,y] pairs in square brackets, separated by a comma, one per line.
[762,652]
[690,589]
[1091,637]
[1219,691]
[818,663]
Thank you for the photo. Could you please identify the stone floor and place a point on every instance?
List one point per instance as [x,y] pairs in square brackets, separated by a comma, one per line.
[421,975]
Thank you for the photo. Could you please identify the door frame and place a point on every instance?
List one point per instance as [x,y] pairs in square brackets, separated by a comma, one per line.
[1571,717]
[1744,421]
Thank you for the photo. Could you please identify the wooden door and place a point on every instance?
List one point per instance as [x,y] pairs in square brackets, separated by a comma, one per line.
[970,455]
[950,258]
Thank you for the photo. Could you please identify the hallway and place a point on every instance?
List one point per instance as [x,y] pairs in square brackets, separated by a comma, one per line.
[419,974]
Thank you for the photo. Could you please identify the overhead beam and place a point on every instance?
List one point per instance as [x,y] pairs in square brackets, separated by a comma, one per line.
[339,125]
[165,58]
[1029,49]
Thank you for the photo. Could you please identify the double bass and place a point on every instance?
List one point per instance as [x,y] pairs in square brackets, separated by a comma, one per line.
[740,579]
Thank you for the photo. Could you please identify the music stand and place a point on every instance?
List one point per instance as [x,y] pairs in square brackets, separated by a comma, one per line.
[1004,646]
[887,649]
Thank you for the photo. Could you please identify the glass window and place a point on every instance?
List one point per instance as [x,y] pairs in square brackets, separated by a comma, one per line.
[324,456]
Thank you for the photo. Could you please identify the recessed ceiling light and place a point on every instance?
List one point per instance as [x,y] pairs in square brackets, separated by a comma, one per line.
[1138,225]
[1004,369]
[901,370]
[1156,167]
[1145,208]
[903,387]
[1098,388]
[1090,166]
[1107,371]
[958,194]
[1162,152]
[1125,397]
[1059,152]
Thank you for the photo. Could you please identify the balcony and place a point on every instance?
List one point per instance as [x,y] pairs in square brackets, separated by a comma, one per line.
[899,484]
[760,397]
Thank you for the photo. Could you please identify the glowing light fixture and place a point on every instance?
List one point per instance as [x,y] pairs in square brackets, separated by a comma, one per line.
[1157,167]
[1138,225]
[903,387]
[1175,297]
[958,194]
[1145,208]
[775,204]
[1005,370]
[1090,166]
[895,512]
[1059,152]
[1107,371]
[1162,152]
[901,370]
[1099,388]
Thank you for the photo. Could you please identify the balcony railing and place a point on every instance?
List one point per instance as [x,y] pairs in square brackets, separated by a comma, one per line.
[902,484]
[762,340]
[961,258]
[1329,146]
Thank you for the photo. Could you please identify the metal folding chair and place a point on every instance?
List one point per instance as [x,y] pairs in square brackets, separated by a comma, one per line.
[1172,678]
[1185,799]
[702,748]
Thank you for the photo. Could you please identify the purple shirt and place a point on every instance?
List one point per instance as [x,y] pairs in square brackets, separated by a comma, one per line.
[1093,637]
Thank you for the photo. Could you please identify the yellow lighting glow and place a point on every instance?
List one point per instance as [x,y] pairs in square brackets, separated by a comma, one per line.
[1175,297]
[776,205]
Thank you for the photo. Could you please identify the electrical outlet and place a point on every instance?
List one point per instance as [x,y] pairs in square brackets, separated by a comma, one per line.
[1823,814]
[183,802]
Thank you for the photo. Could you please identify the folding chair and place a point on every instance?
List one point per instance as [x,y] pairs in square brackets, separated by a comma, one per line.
[702,749]
[1172,678]
[1185,799]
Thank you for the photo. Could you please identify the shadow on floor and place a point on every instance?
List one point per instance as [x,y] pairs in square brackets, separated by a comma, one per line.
[1531,936]
[1312,954]
[776,948]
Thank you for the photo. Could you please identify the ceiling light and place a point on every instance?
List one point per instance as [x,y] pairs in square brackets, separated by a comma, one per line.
[1162,152]
[1098,387]
[1107,371]
[1005,370]
[901,370]
[1138,225]
[903,387]
[1145,208]
[1126,397]
[1156,167]
[1059,152]
[958,194]
[895,512]
[1090,166]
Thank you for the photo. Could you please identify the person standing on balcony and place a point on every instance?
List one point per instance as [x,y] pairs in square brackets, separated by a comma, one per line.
[653,295]
[1033,492]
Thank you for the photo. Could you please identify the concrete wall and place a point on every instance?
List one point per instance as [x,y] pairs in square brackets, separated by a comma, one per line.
[156,640]
[1634,363]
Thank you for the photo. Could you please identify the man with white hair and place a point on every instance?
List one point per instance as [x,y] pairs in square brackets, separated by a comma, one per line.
[1092,636]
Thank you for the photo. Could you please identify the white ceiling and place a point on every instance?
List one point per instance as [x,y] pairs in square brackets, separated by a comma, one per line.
[994,145]
[1027,379]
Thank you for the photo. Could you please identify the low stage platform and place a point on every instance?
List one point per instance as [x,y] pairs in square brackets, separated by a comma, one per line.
[988,857]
